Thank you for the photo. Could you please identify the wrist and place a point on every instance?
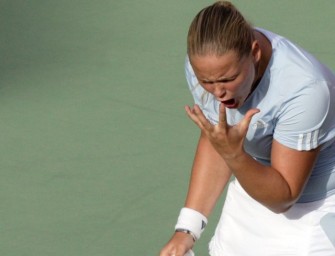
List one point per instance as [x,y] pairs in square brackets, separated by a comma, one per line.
[191,222]
[188,232]
[236,157]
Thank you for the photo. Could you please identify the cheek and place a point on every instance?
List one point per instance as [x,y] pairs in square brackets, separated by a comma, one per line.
[248,81]
[207,88]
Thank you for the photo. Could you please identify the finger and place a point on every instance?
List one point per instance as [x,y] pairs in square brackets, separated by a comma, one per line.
[174,252]
[192,116]
[222,116]
[198,117]
[202,118]
[168,251]
[247,118]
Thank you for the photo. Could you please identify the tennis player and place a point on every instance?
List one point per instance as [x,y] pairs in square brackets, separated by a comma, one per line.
[266,111]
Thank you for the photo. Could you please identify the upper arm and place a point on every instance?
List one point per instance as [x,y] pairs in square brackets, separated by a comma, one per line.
[305,119]
[303,126]
[293,165]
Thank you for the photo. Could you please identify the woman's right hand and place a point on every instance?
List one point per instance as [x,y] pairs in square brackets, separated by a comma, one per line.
[179,245]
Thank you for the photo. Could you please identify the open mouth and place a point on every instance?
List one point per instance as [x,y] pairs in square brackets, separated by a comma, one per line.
[231,103]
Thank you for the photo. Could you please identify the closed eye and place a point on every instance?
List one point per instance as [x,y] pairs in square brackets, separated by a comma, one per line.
[226,80]
[223,80]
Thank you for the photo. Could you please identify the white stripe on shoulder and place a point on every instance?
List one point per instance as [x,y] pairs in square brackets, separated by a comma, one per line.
[308,141]
[315,138]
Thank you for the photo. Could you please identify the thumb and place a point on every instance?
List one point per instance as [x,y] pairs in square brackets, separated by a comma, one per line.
[247,118]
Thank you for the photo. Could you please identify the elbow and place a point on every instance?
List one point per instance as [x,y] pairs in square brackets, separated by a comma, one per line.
[282,207]
[283,204]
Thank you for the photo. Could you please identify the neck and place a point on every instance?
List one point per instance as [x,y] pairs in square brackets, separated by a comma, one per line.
[261,65]
[266,52]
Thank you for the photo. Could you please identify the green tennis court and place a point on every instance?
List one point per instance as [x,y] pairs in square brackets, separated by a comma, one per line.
[95,146]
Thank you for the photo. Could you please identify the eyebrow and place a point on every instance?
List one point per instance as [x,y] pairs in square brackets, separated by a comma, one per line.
[221,79]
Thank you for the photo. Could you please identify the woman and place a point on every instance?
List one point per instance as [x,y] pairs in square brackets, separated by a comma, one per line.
[266,110]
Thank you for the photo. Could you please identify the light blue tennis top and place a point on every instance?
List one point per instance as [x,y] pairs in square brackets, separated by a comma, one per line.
[296,98]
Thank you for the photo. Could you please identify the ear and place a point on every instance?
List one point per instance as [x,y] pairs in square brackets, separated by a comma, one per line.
[256,51]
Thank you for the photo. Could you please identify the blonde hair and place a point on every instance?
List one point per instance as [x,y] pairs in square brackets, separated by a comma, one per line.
[218,29]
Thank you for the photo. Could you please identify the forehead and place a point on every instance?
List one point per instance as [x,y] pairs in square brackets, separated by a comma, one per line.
[213,67]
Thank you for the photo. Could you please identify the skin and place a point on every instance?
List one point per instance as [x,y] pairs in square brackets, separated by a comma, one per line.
[224,76]
[220,151]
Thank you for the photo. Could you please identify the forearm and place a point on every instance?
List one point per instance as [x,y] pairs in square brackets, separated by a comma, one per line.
[263,183]
[209,176]
[277,186]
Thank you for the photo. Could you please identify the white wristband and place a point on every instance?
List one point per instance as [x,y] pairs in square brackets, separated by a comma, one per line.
[191,220]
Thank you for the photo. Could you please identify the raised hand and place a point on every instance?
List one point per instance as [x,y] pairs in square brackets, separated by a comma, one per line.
[227,140]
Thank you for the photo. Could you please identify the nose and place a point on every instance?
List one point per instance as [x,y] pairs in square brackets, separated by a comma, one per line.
[218,91]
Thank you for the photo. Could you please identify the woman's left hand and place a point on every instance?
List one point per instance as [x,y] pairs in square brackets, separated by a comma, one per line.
[226,139]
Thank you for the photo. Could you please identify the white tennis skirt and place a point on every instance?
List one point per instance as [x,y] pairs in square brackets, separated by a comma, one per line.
[247,228]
